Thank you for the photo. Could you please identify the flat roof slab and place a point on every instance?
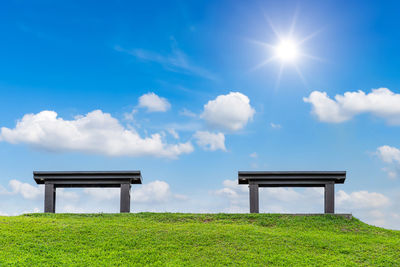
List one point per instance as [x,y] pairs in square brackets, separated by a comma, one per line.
[292,178]
[87,178]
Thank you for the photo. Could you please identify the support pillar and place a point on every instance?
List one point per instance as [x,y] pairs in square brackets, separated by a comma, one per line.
[254,202]
[125,205]
[49,198]
[330,198]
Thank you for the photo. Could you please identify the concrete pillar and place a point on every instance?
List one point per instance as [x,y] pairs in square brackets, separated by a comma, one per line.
[49,198]
[125,205]
[330,198]
[254,202]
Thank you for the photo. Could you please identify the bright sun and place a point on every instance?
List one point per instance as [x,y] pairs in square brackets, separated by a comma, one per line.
[287,51]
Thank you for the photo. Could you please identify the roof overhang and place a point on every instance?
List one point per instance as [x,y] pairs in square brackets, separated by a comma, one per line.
[291,178]
[87,178]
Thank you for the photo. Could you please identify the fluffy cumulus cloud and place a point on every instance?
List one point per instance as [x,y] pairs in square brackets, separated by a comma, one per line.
[26,190]
[157,191]
[228,112]
[31,192]
[95,133]
[361,200]
[380,102]
[391,156]
[210,141]
[154,103]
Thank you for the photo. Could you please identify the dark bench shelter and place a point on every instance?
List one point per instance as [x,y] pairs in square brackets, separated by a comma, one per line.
[103,179]
[326,179]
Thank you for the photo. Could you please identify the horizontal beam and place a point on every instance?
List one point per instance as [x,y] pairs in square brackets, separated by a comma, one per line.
[293,177]
[298,177]
[134,177]
[86,172]
[86,183]
[290,183]
[77,177]
[288,173]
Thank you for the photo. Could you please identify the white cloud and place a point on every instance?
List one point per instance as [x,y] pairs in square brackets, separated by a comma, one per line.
[176,61]
[210,141]
[26,190]
[361,200]
[380,102]
[129,116]
[275,126]
[253,155]
[95,133]
[273,199]
[392,174]
[389,154]
[154,103]
[31,192]
[228,112]
[103,193]
[173,133]
[187,113]
[157,191]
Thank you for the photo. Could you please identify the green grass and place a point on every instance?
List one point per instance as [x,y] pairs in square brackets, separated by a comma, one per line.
[194,239]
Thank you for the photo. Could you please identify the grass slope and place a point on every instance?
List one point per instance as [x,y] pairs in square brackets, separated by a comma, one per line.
[194,239]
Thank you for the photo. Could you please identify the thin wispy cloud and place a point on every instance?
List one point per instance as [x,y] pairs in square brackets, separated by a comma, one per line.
[176,60]
[275,125]
[187,113]
[29,30]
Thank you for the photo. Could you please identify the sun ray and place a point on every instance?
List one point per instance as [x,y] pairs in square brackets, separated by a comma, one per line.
[310,36]
[303,79]
[313,57]
[294,20]
[260,43]
[271,25]
[278,79]
[265,62]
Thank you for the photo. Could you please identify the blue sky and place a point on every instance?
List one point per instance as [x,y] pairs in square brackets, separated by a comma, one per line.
[178,91]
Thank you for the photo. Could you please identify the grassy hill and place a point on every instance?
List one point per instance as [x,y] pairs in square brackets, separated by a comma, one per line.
[194,239]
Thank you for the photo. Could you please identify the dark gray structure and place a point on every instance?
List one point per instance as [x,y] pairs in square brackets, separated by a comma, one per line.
[326,179]
[104,179]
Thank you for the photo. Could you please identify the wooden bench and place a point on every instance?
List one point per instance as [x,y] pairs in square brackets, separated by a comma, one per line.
[103,179]
[326,179]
